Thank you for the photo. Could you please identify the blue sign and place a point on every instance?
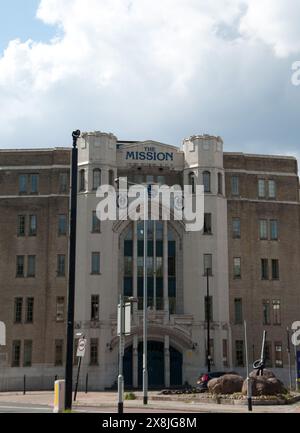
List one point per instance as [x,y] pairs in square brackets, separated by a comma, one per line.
[150,156]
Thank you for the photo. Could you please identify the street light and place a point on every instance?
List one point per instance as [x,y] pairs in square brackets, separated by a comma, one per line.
[72,264]
[208,320]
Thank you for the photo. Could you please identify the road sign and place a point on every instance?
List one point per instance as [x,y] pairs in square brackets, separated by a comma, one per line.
[126,325]
[81,348]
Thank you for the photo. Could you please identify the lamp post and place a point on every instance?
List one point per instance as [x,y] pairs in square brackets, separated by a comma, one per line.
[208,320]
[71,284]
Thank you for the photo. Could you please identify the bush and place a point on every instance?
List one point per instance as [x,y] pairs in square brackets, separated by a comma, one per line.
[130,396]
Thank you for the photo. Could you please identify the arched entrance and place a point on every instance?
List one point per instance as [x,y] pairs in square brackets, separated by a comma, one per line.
[156,366]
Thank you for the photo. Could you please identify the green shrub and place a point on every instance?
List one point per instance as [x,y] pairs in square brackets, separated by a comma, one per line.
[130,396]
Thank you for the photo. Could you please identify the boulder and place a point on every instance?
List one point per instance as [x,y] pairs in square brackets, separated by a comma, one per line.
[227,384]
[268,384]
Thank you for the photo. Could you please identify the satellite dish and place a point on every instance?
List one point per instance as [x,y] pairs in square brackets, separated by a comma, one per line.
[2,334]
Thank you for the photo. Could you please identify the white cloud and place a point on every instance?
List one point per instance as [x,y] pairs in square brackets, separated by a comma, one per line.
[151,69]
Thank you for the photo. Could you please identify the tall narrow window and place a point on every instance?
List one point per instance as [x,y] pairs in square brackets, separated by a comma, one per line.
[82,180]
[275,269]
[20,266]
[261,188]
[278,355]
[208,306]
[63,183]
[58,354]
[95,307]
[61,265]
[31,266]
[95,263]
[274,230]
[60,309]
[21,225]
[29,310]
[192,182]
[220,183]
[27,358]
[96,178]
[32,225]
[111,177]
[206,181]
[208,264]
[96,228]
[272,188]
[268,354]
[207,230]
[235,186]
[22,183]
[34,183]
[236,228]
[263,230]
[237,268]
[18,310]
[62,225]
[16,353]
[266,312]
[238,311]
[276,312]
[239,353]
[225,352]
[264,269]
[94,351]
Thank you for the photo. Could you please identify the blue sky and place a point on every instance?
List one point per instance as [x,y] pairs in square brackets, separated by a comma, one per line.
[151,70]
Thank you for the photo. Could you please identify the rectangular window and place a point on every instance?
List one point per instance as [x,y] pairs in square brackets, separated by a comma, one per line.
[58,355]
[20,266]
[29,310]
[274,230]
[208,264]
[128,266]
[63,182]
[61,265]
[235,187]
[95,308]
[18,310]
[268,354]
[96,228]
[272,188]
[23,184]
[34,183]
[62,225]
[237,268]
[238,311]
[225,352]
[60,309]
[16,353]
[236,228]
[266,312]
[207,224]
[264,269]
[21,225]
[208,308]
[31,266]
[239,353]
[278,355]
[94,351]
[263,230]
[276,312]
[27,357]
[32,225]
[275,269]
[261,188]
[95,263]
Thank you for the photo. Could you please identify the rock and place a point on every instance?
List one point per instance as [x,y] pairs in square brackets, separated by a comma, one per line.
[268,384]
[227,384]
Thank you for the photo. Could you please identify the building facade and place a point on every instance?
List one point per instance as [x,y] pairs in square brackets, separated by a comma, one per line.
[249,248]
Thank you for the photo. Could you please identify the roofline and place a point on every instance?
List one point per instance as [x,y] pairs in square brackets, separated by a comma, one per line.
[38,149]
[257,155]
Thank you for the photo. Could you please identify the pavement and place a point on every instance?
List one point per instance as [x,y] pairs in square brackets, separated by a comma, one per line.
[106,402]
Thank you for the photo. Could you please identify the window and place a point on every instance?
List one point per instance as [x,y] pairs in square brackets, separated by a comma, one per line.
[95,263]
[111,177]
[206,181]
[268,354]
[21,225]
[236,228]
[235,187]
[62,225]
[128,266]
[34,181]
[211,351]
[63,182]
[32,225]
[60,309]
[225,352]
[266,312]
[275,269]
[238,311]
[27,358]
[96,178]
[207,230]
[16,353]
[94,351]
[261,188]
[239,353]
[237,269]
[23,184]
[58,355]
[278,355]
[82,180]
[220,183]
[31,266]
[274,230]
[208,305]
[276,312]
[29,310]
[192,182]
[95,308]
[263,230]
[18,310]
[20,266]
[272,188]
[96,228]
[61,265]
[264,269]
[208,264]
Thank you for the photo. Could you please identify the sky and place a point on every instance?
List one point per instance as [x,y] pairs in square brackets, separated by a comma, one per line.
[147,69]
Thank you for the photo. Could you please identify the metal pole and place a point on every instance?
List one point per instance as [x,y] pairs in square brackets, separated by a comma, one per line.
[145,337]
[289,356]
[24,385]
[121,348]
[296,370]
[77,379]
[249,384]
[72,264]
[208,320]
[86,383]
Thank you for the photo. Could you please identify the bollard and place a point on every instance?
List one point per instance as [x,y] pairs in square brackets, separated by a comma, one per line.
[59,396]
[86,383]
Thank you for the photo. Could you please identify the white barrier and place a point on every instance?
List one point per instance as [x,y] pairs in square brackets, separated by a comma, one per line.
[59,396]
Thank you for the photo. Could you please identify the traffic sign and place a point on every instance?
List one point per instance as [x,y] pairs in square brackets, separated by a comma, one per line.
[81,348]
[126,325]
